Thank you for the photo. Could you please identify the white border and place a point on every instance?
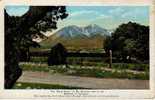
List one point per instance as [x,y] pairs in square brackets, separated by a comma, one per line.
[108,94]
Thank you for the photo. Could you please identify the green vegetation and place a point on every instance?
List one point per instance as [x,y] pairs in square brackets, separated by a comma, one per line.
[20,32]
[39,59]
[93,71]
[110,74]
[33,67]
[95,62]
[130,40]
[86,61]
[43,68]
[32,49]
[22,85]
[130,66]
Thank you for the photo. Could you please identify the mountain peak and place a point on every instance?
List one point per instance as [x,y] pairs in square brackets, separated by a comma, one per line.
[88,31]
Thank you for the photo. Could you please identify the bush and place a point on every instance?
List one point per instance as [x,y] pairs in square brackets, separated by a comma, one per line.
[39,59]
[34,67]
[138,67]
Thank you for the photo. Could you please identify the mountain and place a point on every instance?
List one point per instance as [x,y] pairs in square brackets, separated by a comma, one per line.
[74,37]
[70,31]
[94,29]
[74,31]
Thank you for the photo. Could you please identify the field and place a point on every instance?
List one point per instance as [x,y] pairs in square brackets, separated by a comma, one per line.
[100,71]
[93,67]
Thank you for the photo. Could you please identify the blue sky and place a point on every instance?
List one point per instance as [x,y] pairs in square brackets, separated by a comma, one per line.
[108,17]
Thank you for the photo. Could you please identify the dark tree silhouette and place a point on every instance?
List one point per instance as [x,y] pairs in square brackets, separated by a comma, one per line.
[19,32]
[130,40]
[57,55]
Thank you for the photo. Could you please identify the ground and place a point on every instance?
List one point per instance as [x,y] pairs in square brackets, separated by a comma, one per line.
[82,82]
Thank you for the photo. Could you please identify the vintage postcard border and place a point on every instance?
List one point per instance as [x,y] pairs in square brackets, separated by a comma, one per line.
[114,93]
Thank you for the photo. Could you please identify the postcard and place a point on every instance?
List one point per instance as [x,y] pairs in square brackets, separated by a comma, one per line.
[77,49]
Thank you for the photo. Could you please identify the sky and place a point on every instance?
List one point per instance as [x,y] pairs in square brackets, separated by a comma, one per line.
[109,17]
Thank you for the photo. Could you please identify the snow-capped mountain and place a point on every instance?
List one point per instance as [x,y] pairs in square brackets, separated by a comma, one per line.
[88,31]
[74,37]
[94,29]
[70,31]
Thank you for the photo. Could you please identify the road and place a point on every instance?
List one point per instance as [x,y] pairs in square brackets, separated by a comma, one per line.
[85,82]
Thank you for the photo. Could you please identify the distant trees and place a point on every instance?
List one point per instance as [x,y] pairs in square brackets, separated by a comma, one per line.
[130,40]
[19,32]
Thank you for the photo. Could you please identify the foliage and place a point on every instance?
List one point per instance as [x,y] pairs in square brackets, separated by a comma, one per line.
[34,67]
[109,74]
[19,33]
[129,41]
[87,61]
[131,66]
[107,43]
[39,59]
[44,68]
[57,55]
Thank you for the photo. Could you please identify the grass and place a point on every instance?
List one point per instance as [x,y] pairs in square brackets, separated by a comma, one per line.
[110,74]
[95,62]
[98,62]
[33,67]
[43,68]
[119,66]
[88,72]
[23,85]
[138,67]
[89,61]
[39,59]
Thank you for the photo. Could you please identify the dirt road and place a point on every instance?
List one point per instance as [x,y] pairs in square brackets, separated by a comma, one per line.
[86,82]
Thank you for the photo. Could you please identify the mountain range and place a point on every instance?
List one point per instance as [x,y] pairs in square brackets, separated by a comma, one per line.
[74,37]
[88,31]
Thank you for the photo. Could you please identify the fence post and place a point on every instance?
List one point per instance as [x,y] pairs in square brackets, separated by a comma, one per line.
[110,58]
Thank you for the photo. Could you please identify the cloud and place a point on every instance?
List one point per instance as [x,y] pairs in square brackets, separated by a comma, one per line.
[89,15]
[79,13]
[118,10]
[103,16]
[134,13]
[128,14]
[109,17]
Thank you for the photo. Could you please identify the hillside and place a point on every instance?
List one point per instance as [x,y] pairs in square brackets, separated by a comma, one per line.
[74,37]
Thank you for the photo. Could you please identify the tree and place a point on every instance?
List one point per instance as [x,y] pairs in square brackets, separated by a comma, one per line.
[107,43]
[57,55]
[19,32]
[130,40]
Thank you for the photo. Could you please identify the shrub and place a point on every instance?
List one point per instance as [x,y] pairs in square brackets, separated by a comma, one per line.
[39,59]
